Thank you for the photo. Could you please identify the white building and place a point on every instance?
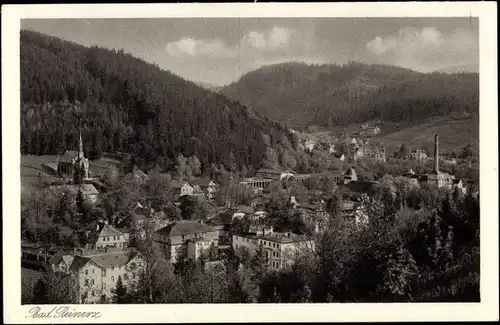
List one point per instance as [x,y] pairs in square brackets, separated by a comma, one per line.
[279,249]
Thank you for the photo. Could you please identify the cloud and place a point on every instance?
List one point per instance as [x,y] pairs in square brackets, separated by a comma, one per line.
[426,48]
[190,46]
[252,44]
[275,38]
[408,40]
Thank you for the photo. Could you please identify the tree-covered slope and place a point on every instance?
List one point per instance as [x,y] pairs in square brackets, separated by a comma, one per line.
[132,106]
[326,95]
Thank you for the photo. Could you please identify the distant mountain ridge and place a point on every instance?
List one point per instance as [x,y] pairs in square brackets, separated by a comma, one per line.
[300,94]
[209,86]
[465,68]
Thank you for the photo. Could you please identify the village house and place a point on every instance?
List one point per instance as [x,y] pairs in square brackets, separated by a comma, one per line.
[353,212]
[181,188]
[174,237]
[377,154]
[279,249]
[258,202]
[369,130]
[350,176]
[207,186]
[96,272]
[462,186]
[100,235]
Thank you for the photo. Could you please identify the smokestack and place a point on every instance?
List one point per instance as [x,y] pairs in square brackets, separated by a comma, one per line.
[436,152]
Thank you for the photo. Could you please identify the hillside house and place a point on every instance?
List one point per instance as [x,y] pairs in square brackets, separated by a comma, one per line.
[174,237]
[181,188]
[207,186]
[96,272]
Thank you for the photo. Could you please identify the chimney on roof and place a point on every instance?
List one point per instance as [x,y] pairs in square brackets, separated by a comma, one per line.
[436,152]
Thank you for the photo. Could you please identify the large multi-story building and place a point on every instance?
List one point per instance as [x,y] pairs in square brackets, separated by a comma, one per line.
[279,249]
[418,154]
[174,238]
[95,273]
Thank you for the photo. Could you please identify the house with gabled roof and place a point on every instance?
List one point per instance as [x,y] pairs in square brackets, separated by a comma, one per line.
[101,235]
[96,272]
[174,237]
[207,186]
[181,188]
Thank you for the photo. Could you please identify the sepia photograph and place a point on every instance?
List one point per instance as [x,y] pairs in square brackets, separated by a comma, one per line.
[249,160]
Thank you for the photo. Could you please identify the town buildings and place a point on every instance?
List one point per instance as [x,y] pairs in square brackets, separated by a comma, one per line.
[279,249]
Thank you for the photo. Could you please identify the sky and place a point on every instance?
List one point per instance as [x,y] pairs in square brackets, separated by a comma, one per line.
[220,50]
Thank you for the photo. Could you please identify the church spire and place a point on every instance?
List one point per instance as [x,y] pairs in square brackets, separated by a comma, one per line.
[80,145]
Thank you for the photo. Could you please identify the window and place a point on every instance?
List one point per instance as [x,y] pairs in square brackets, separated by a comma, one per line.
[112,278]
[86,272]
[92,283]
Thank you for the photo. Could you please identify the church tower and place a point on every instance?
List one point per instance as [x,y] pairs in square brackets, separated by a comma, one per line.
[80,146]
[81,164]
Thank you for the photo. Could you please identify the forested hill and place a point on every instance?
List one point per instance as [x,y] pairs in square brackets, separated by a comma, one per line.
[326,95]
[129,105]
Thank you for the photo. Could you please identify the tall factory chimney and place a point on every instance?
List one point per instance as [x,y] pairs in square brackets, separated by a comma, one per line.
[436,153]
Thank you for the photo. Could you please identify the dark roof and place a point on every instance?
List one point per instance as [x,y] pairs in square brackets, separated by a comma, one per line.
[203,182]
[176,184]
[68,156]
[78,263]
[112,259]
[223,218]
[359,186]
[270,171]
[182,227]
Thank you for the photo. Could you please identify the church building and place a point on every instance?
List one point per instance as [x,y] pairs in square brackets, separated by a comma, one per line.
[73,163]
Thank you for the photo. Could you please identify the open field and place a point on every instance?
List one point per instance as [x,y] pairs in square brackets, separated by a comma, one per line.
[31,168]
[454,133]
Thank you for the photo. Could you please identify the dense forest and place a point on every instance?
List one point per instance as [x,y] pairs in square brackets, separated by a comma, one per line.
[328,95]
[128,105]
